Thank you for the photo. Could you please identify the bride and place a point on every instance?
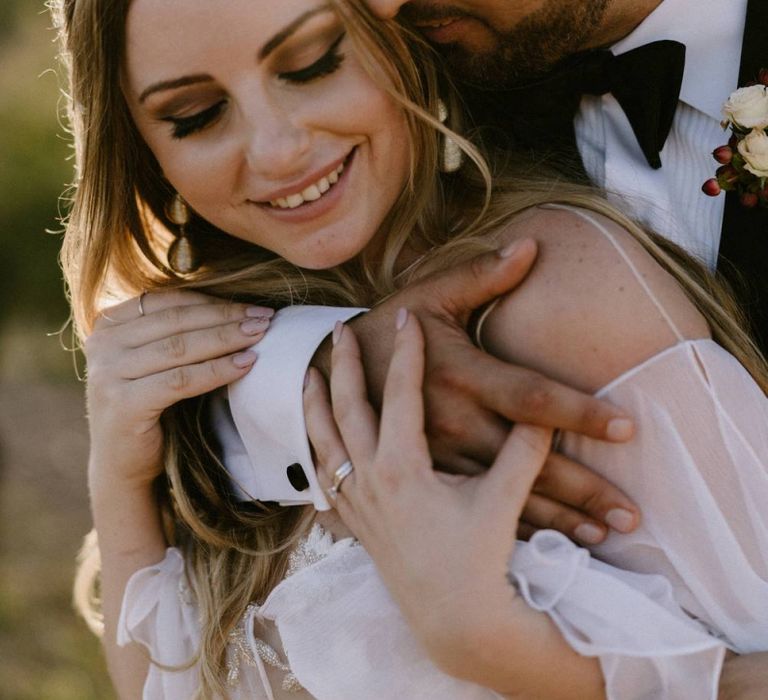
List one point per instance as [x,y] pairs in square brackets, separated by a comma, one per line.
[295,146]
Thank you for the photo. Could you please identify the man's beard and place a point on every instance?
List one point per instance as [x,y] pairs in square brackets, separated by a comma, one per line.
[540,41]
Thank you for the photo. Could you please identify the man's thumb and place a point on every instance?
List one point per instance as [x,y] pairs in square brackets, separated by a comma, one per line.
[477,281]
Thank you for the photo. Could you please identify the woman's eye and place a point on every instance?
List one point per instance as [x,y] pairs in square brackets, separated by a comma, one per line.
[328,63]
[184,126]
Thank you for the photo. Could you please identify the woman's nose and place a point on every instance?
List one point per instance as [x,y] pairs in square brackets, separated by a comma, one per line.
[277,145]
[386,9]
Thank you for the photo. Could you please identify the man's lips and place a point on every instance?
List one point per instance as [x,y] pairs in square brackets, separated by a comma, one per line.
[443,30]
[434,23]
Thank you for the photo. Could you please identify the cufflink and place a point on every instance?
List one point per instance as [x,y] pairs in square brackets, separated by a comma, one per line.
[296,477]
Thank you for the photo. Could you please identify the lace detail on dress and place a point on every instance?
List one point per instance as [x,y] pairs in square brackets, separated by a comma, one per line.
[309,550]
[186,597]
[241,652]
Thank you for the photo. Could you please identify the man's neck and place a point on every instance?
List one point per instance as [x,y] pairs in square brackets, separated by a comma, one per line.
[621,18]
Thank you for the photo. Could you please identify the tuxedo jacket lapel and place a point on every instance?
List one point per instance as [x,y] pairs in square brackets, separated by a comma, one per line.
[743,255]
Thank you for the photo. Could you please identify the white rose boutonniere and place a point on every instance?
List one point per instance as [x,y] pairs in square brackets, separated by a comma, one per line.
[754,149]
[744,160]
[747,108]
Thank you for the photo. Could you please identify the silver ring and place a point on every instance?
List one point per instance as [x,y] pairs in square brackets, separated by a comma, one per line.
[338,479]
[141,303]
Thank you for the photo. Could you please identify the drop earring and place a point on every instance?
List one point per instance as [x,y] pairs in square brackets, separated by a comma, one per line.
[451,156]
[182,256]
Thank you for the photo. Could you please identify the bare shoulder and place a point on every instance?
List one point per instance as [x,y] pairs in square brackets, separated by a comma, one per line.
[583,316]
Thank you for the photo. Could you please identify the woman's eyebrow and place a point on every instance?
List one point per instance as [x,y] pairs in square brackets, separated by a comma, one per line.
[265,50]
[173,84]
[284,34]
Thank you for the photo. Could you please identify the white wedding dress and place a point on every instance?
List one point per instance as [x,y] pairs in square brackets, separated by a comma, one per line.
[693,579]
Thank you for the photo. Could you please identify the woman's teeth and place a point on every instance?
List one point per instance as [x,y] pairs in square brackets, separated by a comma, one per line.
[311,193]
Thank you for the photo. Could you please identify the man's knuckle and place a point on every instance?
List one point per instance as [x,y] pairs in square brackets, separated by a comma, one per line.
[562,520]
[590,413]
[536,398]
[443,376]
[447,426]
[590,501]
[546,480]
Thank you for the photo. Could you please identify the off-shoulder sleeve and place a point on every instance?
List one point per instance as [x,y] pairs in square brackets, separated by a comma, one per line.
[158,612]
[698,468]
[647,646]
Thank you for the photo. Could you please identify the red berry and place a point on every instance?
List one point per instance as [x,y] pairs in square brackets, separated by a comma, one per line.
[762,77]
[723,155]
[711,187]
[749,200]
[727,176]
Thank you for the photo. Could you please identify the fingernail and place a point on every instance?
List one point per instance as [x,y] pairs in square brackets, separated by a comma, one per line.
[259,311]
[244,359]
[338,329]
[254,325]
[620,519]
[620,429]
[591,534]
[402,318]
[509,250]
[306,379]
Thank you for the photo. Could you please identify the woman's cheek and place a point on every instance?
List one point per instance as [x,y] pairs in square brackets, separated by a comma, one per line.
[204,174]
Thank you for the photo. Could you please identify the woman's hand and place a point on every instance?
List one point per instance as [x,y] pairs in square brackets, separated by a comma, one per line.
[441,543]
[146,354]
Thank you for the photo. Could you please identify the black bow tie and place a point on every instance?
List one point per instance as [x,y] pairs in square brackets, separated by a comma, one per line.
[645,81]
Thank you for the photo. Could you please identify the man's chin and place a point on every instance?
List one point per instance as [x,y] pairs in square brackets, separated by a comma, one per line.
[488,71]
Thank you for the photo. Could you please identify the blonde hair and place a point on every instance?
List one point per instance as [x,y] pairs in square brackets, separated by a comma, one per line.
[117,228]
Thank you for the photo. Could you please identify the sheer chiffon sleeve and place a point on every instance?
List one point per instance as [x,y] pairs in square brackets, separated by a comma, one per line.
[698,468]
[646,645]
[159,613]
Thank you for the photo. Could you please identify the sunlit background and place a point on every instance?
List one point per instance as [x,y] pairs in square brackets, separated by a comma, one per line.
[45,650]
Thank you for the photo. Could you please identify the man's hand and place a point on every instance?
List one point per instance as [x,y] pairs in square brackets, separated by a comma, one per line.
[744,677]
[472,398]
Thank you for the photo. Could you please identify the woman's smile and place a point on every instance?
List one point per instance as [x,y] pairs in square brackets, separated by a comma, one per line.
[310,202]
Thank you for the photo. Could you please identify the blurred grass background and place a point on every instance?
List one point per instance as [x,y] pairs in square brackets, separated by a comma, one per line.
[46,652]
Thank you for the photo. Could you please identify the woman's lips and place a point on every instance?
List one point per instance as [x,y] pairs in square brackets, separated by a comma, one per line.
[317,207]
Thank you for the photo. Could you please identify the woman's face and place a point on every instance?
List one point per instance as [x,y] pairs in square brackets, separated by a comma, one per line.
[264,121]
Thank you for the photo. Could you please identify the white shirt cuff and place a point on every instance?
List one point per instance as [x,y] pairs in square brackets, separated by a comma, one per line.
[263,435]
